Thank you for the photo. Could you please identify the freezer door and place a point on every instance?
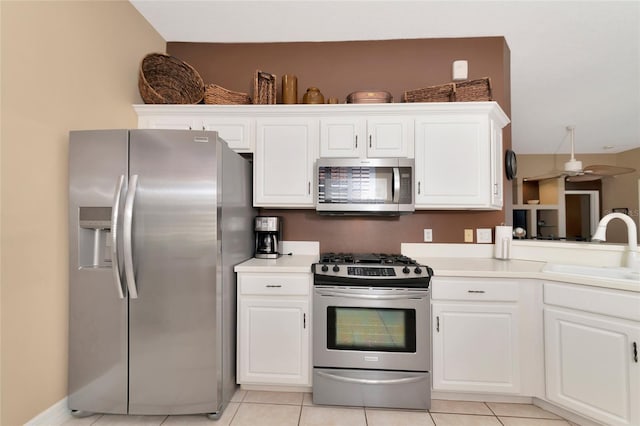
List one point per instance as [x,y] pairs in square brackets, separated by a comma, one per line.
[97,302]
[174,351]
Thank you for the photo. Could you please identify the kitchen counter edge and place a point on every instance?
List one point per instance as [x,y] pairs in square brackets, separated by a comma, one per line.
[520,269]
[294,263]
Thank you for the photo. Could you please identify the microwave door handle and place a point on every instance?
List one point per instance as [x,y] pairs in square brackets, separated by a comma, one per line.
[396,185]
[115,213]
[370,381]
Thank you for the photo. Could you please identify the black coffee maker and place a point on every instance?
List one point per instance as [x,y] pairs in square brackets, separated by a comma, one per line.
[268,233]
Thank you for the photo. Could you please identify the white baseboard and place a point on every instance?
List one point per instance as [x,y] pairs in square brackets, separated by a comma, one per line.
[575,418]
[55,415]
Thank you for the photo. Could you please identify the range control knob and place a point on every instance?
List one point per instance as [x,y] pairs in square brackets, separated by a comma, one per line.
[324,268]
[417,270]
[336,268]
[406,270]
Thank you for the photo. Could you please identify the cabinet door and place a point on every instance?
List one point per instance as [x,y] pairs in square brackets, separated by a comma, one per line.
[497,165]
[237,132]
[475,347]
[273,341]
[388,137]
[591,367]
[178,122]
[342,137]
[284,162]
[453,162]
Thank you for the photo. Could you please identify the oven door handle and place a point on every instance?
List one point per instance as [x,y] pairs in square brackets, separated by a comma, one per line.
[348,294]
[403,380]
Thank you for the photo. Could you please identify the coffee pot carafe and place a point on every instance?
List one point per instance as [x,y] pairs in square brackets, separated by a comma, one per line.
[268,232]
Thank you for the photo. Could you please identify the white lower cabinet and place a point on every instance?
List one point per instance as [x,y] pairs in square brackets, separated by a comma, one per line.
[591,357]
[274,329]
[476,338]
[475,347]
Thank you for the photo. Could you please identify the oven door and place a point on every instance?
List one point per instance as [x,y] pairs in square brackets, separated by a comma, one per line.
[371,328]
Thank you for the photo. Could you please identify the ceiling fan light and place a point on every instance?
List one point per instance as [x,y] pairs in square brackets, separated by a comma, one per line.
[573,165]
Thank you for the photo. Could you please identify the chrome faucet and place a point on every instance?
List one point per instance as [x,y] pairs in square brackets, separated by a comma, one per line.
[632,259]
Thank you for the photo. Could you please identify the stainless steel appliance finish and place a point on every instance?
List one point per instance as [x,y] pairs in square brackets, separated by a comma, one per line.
[365,186]
[268,232]
[157,220]
[371,316]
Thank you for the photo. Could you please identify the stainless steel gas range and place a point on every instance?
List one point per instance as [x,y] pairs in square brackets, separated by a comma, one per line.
[371,324]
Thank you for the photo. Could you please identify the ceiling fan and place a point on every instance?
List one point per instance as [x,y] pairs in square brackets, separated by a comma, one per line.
[574,172]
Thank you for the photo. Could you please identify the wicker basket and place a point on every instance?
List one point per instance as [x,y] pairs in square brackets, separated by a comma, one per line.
[441,93]
[164,79]
[264,88]
[473,90]
[218,95]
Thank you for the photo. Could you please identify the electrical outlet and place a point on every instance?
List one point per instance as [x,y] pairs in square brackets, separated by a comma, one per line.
[483,235]
[428,235]
[468,235]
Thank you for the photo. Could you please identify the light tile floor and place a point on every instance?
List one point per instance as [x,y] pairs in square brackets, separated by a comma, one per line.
[257,408]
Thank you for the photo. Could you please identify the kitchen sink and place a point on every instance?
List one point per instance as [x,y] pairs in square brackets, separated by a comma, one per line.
[616,273]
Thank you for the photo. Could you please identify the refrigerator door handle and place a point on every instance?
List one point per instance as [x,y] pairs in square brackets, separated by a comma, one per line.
[126,237]
[115,209]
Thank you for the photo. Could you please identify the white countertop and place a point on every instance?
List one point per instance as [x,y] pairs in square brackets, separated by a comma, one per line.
[472,260]
[286,263]
[522,269]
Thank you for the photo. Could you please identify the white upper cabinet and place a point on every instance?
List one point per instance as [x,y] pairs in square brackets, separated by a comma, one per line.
[353,137]
[238,130]
[283,165]
[457,145]
[459,160]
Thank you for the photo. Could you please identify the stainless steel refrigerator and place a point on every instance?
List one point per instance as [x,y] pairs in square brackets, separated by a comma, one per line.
[157,220]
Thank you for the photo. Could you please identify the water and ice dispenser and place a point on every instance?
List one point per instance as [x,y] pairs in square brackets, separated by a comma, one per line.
[94,237]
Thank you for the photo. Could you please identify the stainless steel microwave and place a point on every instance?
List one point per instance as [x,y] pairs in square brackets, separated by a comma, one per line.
[364,186]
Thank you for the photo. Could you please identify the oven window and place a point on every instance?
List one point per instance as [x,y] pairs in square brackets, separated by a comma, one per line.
[371,329]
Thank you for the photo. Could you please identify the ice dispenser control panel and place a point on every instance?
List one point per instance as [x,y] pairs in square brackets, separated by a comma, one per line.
[95,217]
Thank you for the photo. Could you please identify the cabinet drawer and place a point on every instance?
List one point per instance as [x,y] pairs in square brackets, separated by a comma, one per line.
[274,284]
[474,289]
[616,303]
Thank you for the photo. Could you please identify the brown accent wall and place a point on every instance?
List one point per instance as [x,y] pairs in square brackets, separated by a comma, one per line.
[339,68]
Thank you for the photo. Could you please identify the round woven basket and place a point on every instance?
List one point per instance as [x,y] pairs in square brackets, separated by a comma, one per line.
[164,79]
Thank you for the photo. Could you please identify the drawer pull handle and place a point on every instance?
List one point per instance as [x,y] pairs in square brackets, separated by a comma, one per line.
[356,141]
[635,352]
[273,286]
[304,320]
[438,324]
[476,291]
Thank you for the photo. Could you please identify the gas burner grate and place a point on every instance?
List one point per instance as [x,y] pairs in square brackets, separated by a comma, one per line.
[366,258]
